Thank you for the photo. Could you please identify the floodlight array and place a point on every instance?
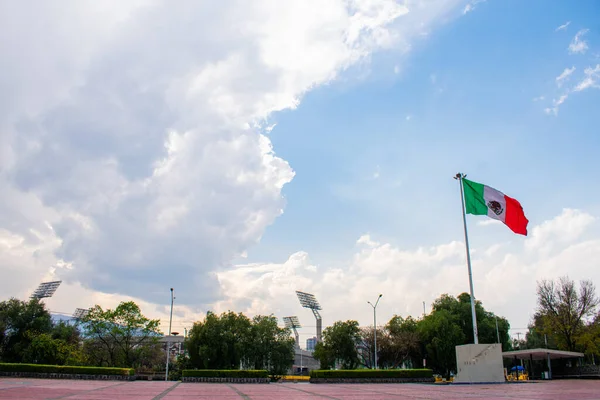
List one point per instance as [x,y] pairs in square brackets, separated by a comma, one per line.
[46,289]
[292,322]
[81,313]
[308,300]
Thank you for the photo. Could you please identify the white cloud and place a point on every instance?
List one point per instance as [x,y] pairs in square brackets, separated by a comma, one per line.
[132,151]
[504,275]
[563,26]
[471,6]
[591,80]
[249,285]
[565,228]
[556,104]
[396,69]
[560,100]
[577,45]
[539,98]
[564,76]
[504,278]
[377,172]
[366,240]
[70,296]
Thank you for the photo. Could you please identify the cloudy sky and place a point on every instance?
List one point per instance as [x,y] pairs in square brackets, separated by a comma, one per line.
[239,151]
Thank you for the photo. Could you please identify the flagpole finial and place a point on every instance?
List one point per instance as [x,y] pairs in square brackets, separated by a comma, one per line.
[460,176]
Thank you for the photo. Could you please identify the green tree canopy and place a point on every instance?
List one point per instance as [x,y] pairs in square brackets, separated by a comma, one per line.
[60,346]
[590,339]
[339,345]
[119,337]
[232,341]
[68,333]
[397,343]
[20,323]
[271,347]
[440,332]
[404,342]
[219,342]
[460,307]
[450,324]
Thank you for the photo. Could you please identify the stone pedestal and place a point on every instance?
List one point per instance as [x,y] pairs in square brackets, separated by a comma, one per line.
[479,363]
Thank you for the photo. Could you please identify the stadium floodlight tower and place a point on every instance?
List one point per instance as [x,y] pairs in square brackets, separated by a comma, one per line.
[81,313]
[46,289]
[308,300]
[293,323]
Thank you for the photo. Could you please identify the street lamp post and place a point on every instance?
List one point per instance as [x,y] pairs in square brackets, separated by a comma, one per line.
[169,337]
[375,325]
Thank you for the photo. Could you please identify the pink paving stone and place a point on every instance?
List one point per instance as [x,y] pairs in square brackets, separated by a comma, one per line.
[35,389]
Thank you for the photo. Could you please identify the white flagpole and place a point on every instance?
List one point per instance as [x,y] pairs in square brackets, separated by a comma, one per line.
[460,178]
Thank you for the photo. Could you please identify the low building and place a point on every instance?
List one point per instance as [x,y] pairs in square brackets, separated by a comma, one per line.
[175,344]
[304,362]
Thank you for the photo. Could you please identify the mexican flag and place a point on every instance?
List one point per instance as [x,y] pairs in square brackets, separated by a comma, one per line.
[484,200]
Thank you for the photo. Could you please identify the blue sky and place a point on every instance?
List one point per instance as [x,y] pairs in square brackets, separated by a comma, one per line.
[468,92]
[136,152]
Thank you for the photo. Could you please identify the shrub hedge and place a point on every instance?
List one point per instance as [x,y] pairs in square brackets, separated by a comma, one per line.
[224,373]
[371,373]
[65,369]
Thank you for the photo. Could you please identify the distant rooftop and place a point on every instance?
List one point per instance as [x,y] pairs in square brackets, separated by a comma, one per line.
[541,354]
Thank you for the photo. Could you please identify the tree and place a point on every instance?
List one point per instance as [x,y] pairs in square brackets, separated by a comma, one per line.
[339,345]
[397,343]
[536,336]
[233,341]
[403,342]
[460,307]
[564,309]
[20,323]
[44,349]
[440,333]
[450,324]
[271,347]
[119,337]
[366,356]
[219,342]
[66,332]
[59,347]
[324,354]
[590,339]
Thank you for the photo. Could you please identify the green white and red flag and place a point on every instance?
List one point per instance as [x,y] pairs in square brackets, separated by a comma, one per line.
[484,200]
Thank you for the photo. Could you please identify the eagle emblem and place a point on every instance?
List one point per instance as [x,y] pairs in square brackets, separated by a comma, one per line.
[495,206]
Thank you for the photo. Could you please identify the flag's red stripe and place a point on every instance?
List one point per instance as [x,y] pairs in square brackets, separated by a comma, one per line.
[515,217]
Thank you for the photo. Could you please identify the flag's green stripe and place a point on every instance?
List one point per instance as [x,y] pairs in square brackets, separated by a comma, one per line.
[474,202]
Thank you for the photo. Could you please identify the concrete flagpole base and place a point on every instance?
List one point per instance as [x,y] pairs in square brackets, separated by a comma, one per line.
[479,363]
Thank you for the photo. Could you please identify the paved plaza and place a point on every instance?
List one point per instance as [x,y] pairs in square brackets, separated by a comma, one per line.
[30,389]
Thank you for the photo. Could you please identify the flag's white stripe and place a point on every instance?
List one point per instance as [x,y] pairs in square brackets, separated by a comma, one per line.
[490,194]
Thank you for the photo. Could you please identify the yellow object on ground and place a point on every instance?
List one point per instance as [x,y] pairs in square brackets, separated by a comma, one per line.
[297,378]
